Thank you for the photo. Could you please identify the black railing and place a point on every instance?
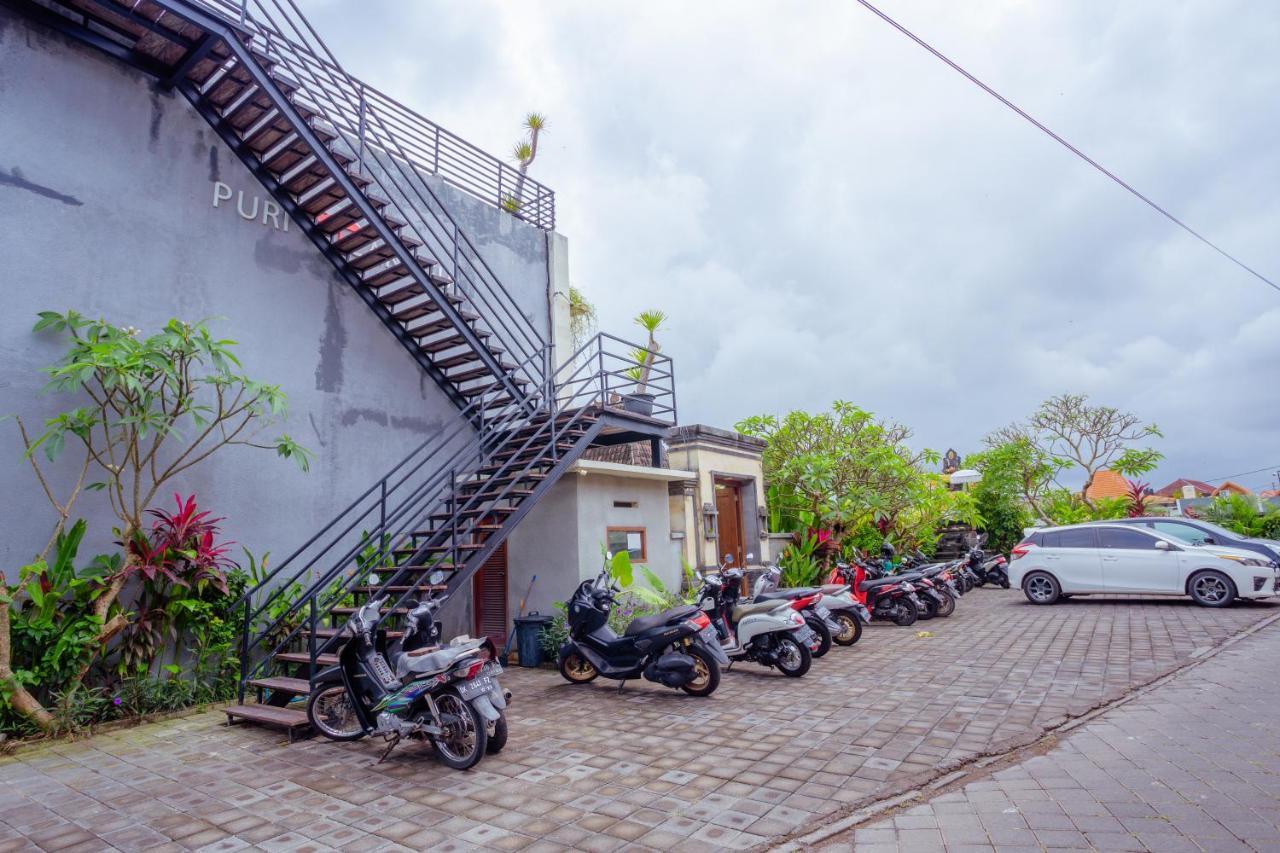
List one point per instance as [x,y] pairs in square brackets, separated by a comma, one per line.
[393,516]
[281,38]
[428,146]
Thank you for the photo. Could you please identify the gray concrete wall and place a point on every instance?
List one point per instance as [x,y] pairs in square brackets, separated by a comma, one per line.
[596,514]
[546,544]
[106,206]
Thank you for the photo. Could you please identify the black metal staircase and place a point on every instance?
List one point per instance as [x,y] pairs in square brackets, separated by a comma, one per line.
[349,165]
[429,525]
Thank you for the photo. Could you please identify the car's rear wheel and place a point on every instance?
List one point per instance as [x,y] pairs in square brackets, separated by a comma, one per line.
[1211,589]
[1041,588]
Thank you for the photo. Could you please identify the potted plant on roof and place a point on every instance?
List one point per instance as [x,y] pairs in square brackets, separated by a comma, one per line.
[640,400]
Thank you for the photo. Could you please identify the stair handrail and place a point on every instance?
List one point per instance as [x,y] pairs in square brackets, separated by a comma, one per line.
[472,166]
[339,99]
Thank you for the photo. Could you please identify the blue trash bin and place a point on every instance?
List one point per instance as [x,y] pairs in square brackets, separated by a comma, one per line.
[528,637]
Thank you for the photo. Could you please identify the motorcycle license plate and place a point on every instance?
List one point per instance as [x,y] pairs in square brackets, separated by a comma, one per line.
[823,611]
[805,635]
[708,636]
[481,685]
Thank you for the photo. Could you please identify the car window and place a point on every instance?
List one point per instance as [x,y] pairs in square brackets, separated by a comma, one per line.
[1118,537]
[1181,532]
[1076,537]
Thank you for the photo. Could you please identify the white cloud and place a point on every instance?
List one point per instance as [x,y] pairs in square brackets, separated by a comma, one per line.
[827,211]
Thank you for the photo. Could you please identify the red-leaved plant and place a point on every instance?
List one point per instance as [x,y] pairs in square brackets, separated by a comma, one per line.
[182,547]
[1137,498]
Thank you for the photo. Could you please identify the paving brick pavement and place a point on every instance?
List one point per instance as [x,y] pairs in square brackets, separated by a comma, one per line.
[1191,765]
[590,769]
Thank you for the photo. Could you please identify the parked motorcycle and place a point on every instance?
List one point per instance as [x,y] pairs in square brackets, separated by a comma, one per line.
[992,569]
[412,689]
[837,610]
[937,596]
[886,598]
[772,633]
[677,648]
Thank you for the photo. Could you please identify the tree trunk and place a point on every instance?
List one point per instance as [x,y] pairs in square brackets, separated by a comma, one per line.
[22,701]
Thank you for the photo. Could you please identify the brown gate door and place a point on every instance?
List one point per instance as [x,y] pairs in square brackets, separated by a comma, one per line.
[729,522]
[489,594]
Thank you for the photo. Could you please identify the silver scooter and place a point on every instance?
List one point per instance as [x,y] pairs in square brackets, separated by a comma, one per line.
[772,633]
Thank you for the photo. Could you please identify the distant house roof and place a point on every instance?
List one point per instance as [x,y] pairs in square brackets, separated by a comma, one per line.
[1269,493]
[633,453]
[1174,489]
[1107,484]
[1228,486]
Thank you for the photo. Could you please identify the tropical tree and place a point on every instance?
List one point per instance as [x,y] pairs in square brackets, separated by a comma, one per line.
[149,410]
[524,153]
[854,476]
[651,322]
[1093,438]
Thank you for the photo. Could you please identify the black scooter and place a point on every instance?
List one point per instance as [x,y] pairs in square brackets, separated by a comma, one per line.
[677,648]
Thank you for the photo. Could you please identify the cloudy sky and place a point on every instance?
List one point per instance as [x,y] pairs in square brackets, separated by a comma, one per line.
[826,211]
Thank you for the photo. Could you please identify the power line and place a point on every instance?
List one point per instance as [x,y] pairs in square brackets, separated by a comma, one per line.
[1241,474]
[1074,150]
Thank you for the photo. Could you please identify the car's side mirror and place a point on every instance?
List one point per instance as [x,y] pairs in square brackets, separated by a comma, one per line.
[1162,545]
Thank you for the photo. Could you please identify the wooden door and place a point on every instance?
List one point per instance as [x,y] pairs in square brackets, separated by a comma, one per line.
[489,597]
[729,536]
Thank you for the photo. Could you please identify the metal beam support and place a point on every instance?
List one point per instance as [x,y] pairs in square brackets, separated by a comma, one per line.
[81,32]
[183,68]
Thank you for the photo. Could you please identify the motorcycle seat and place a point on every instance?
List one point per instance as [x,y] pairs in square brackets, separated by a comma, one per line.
[428,661]
[648,623]
[743,610]
[876,584]
[789,594]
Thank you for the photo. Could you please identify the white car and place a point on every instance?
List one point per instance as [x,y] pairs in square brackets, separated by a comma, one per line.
[1056,562]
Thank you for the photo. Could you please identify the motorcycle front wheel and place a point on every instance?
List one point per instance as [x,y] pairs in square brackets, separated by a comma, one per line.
[947,607]
[850,629]
[820,628]
[907,613]
[576,669]
[465,736]
[794,659]
[928,608]
[331,713]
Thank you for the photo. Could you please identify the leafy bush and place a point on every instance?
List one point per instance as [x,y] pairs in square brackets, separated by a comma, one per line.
[799,566]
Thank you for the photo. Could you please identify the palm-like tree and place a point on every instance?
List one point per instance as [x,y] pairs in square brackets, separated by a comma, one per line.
[524,153]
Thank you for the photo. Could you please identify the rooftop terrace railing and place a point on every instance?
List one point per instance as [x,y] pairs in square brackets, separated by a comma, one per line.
[430,147]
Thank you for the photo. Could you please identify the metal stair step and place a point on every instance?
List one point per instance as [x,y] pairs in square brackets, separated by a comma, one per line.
[270,715]
[326,633]
[347,611]
[458,360]
[409,549]
[304,658]
[476,372]
[442,323]
[282,684]
[423,587]
[494,510]
[448,343]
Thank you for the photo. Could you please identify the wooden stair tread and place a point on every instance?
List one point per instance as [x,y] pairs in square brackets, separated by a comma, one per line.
[289,718]
[303,657]
[423,587]
[326,633]
[283,684]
